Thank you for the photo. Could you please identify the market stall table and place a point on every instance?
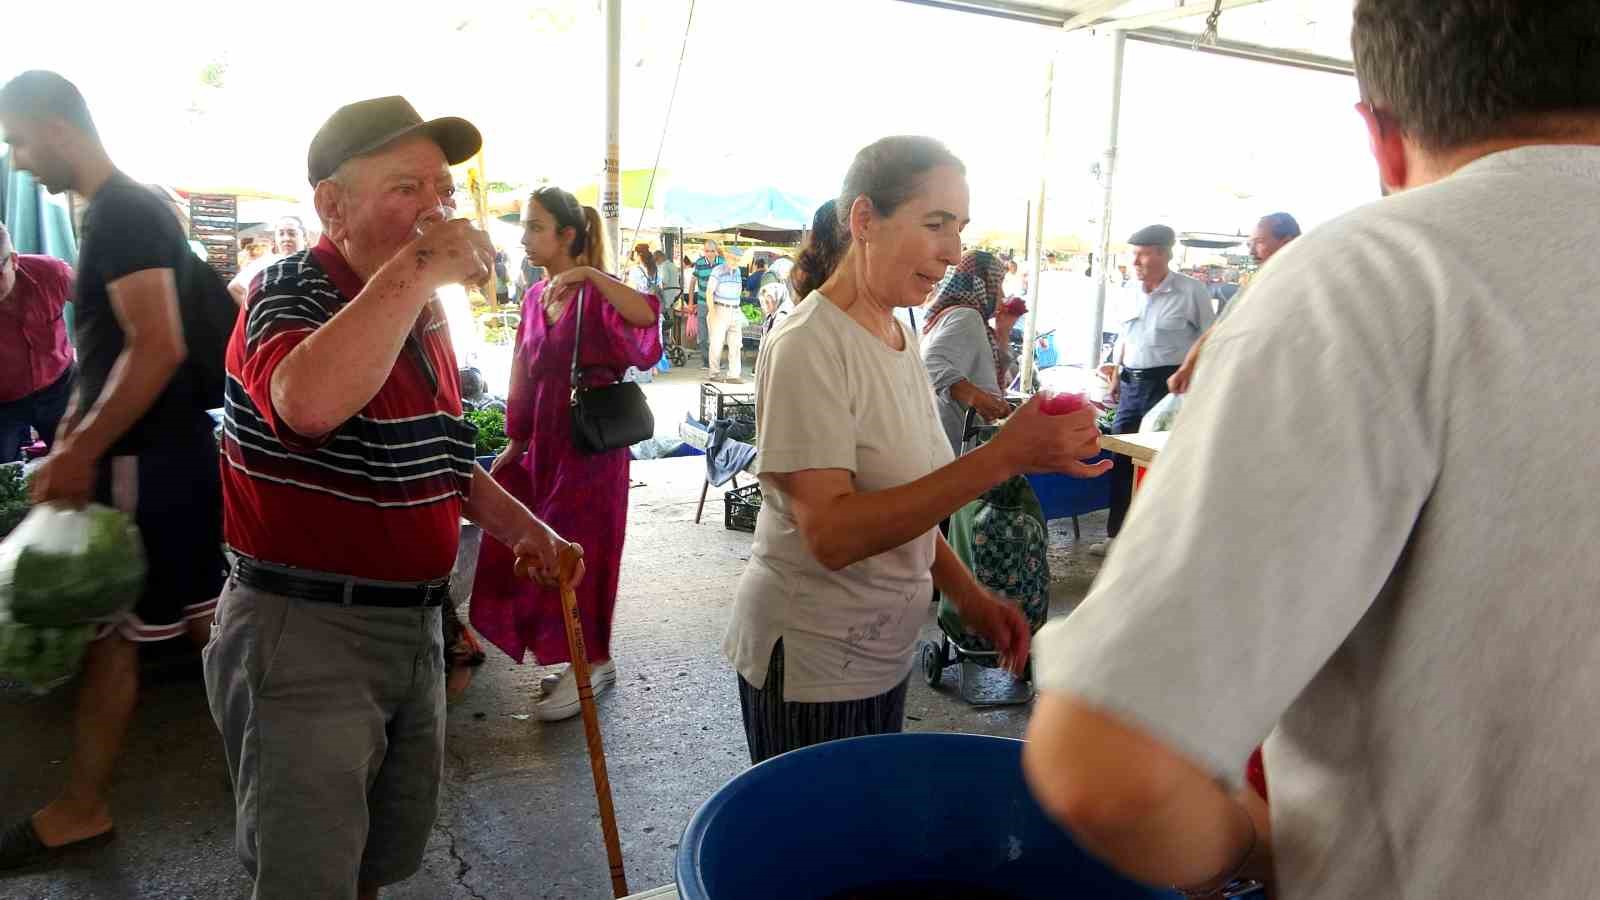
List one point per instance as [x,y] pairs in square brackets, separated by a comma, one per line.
[1141,448]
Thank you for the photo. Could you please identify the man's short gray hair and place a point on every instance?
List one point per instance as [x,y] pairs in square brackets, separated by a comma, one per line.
[5,242]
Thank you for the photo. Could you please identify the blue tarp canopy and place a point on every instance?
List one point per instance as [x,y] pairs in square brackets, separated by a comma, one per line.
[759,212]
[37,224]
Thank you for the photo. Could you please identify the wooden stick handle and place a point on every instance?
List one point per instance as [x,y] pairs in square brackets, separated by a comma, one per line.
[591,719]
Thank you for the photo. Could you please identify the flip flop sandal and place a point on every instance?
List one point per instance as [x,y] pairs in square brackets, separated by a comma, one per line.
[21,847]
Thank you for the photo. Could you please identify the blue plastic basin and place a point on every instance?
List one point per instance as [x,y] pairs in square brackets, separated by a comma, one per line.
[880,810]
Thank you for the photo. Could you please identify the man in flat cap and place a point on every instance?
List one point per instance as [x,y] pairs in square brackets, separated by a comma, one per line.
[347,468]
[1169,313]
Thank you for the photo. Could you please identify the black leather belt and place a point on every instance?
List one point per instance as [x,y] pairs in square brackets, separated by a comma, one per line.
[326,587]
[1154,373]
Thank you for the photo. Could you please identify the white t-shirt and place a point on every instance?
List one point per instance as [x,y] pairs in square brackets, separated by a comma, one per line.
[1395,439]
[831,395]
[639,279]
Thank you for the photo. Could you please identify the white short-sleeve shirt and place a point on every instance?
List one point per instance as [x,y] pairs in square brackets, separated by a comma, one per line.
[1373,534]
[831,395]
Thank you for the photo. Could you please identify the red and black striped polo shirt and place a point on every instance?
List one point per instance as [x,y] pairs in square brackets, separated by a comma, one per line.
[381,496]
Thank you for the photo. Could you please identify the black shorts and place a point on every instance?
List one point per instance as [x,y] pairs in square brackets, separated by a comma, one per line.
[174,493]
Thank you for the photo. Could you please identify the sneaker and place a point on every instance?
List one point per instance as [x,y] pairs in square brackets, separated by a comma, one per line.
[560,700]
[601,677]
[1100,548]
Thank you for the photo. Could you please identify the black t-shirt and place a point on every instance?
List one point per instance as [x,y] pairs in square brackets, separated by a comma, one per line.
[128,229]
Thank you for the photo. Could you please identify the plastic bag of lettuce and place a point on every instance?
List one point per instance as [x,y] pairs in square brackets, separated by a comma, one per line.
[13,497]
[60,571]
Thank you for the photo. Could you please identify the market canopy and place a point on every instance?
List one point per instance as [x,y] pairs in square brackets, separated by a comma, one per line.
[767,213]
[36,223]
[1308,33]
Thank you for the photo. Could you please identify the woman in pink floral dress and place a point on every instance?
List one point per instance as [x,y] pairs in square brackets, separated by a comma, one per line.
[582,496]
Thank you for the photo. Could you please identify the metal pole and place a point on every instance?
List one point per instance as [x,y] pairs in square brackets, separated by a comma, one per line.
[611,186]
[1027,226]
[1036,251]
[1108,166]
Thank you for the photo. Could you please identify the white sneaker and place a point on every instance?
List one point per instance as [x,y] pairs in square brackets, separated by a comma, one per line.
[1100,548]
[601,677]
[560,700]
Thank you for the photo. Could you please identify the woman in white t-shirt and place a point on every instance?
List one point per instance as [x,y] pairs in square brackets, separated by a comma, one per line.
[856,473]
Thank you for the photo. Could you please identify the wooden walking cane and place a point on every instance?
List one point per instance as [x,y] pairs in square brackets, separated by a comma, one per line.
[571,555]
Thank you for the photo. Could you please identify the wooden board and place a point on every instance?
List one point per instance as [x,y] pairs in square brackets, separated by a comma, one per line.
[1141,447]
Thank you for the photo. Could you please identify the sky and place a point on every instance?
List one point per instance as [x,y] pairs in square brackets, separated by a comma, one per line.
[772,92]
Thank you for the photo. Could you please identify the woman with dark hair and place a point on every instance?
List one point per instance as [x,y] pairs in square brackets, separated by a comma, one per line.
[587,494]
[824,246]
[642,274]
[856,472]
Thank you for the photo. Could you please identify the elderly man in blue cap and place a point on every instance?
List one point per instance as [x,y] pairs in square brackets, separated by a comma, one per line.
[1169,313]
[1273,233]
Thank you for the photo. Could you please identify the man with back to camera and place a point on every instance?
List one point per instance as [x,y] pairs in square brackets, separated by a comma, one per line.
[1348,543]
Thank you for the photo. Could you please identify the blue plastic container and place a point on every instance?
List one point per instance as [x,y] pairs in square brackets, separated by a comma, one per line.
[880,810]
[1062,496]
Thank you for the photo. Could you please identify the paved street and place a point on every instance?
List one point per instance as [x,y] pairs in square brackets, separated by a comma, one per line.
[518,816]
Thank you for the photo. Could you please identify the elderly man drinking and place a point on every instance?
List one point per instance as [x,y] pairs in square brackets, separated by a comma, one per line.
[347,467]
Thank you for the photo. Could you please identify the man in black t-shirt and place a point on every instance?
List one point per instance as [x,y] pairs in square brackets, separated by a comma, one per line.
[135,436]
[752,282]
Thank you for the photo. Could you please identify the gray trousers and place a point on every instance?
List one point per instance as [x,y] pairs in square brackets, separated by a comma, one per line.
[333,722]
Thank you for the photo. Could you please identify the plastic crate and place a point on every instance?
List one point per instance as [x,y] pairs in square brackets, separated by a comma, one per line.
[717,402]
[740,507]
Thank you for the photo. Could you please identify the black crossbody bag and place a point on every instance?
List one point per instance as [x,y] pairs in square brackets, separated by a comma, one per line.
[608,417]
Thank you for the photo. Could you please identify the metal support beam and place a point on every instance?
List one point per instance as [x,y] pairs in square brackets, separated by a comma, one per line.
[1166,37]
[611,184]
[1108,168]
[1091,12]
[1030,13]
[1187,11]
[1036,250]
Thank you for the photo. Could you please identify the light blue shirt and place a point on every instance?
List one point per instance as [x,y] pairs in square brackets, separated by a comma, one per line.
[1162,325]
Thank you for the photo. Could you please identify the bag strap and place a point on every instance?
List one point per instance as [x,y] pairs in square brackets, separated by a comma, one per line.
[577,341]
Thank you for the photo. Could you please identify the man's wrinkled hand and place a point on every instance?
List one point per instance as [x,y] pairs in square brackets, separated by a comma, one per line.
[538,554]
[453,252]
